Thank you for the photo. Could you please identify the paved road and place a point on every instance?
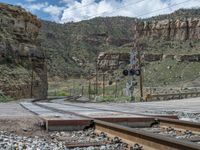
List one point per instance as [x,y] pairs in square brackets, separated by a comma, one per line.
[191,105]
[13,110]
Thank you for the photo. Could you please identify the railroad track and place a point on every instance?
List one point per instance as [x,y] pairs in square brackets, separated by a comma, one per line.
[163,121]
[145,139]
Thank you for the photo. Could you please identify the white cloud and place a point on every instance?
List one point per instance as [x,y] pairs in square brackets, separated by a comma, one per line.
[78,11]
[30,1]
[34,7]
[73,10]
[54,11]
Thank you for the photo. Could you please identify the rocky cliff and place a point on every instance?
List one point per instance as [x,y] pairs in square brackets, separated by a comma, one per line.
[169,29]
[23,70]
[174,34]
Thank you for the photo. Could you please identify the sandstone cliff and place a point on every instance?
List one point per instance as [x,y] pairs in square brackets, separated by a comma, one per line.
[169,29]
[112,61]
[22,62]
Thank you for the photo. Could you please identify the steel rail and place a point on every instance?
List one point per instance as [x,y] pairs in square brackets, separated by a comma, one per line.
[131,135]
[186,125]
[147,139]
[162,121]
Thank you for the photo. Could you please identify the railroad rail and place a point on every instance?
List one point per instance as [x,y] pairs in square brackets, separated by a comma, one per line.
[162,121]
[147,140]
[179,124]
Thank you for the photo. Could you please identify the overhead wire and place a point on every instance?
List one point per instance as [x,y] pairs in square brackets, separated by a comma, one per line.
[75,8]
[140,15]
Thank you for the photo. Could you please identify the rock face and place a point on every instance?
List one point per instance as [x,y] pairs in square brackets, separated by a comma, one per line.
[153,57]
[112,61]
[20,51]
[189,58]
[170,29]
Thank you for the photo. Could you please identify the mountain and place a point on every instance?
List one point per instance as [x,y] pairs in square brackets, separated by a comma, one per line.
[72,48]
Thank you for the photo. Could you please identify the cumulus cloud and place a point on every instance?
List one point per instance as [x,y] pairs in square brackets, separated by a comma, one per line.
[30,1]
[53,11]
[35,7]
[78,11]
[74,10]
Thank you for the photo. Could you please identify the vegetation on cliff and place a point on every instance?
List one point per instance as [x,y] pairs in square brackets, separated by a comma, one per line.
[72,48]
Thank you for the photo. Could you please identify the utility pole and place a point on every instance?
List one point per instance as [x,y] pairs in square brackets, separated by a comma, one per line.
[96,74]
[141,74]
[82,90]
[116,88]
[89,89]
[32,63]
[139,48]
[103,85]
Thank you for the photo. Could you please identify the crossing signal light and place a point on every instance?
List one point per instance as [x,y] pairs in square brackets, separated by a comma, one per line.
[125,72]
[131,72]
[137,72]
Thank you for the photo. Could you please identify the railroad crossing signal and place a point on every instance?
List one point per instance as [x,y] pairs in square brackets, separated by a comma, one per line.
[131,72]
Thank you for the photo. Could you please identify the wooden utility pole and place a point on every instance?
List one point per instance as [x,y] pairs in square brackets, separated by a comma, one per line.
[82,90]
[96,74]
[89,88]
[141,74]
[116,88]
[138,48]
[32,64]
[103,85]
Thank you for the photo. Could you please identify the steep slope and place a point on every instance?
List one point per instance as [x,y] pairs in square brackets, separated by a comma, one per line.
[23,70]
[73,47]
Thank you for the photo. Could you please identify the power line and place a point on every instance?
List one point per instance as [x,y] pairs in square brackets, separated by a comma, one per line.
[150,12]
[126,6]
[162,8]
[75,8]
[117,8]
[105,11]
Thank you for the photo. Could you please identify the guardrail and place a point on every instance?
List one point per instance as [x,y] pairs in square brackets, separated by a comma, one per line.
[169,96]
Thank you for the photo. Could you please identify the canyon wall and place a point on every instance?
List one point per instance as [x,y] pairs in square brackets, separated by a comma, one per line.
[169,29]
[22,61]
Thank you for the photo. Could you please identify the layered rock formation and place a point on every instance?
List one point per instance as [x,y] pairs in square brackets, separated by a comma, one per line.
[169,29]
[112,61]
[22,62]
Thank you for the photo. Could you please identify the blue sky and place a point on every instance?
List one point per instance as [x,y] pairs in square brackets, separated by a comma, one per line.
[76,10]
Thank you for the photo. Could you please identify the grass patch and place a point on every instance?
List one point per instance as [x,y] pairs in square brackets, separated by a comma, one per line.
[115,99]
[4,99]
[58,93]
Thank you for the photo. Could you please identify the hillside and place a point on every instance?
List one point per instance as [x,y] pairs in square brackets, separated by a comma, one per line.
[73,47]
[22,64]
